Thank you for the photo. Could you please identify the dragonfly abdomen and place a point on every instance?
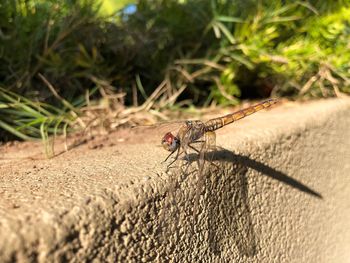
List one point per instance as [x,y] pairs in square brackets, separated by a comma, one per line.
[220,122]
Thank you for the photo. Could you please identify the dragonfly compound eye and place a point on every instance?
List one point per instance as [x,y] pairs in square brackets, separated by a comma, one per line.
[169,142]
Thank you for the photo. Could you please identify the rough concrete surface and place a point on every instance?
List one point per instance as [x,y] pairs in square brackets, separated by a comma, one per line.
[278,191]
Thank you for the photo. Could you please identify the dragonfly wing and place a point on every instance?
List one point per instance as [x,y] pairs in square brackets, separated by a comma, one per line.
[204,163]
[166,125]
[210,140]
[158,130]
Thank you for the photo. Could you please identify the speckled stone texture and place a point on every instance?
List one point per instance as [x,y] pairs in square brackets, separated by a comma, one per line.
[278,190]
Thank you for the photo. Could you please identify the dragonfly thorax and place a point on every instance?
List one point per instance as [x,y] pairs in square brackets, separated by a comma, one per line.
[170,142]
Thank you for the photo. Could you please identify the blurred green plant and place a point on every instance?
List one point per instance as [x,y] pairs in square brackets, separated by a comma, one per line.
[244,49]
[203,53]
[29,120]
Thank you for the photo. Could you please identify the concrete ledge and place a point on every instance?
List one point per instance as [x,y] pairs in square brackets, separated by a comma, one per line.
[280,193]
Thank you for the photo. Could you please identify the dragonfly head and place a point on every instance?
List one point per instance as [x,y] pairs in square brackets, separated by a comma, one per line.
[170,142]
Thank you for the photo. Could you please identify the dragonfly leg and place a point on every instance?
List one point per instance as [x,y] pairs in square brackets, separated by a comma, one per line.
[187,156]
[187,159]
[168,156]
[176,157]
[196,150]
[193,148]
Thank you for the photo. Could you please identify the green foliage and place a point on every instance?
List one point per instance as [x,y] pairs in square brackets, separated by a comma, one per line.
[244,48]
[44,37]
[28,120]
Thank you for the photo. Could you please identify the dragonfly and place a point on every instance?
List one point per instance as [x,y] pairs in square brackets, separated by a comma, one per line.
[193,132]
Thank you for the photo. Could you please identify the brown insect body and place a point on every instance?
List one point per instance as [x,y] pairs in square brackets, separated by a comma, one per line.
[220,122]
[192,131]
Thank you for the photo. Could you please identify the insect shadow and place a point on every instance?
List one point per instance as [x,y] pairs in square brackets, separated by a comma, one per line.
[222,154]
[227,205]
